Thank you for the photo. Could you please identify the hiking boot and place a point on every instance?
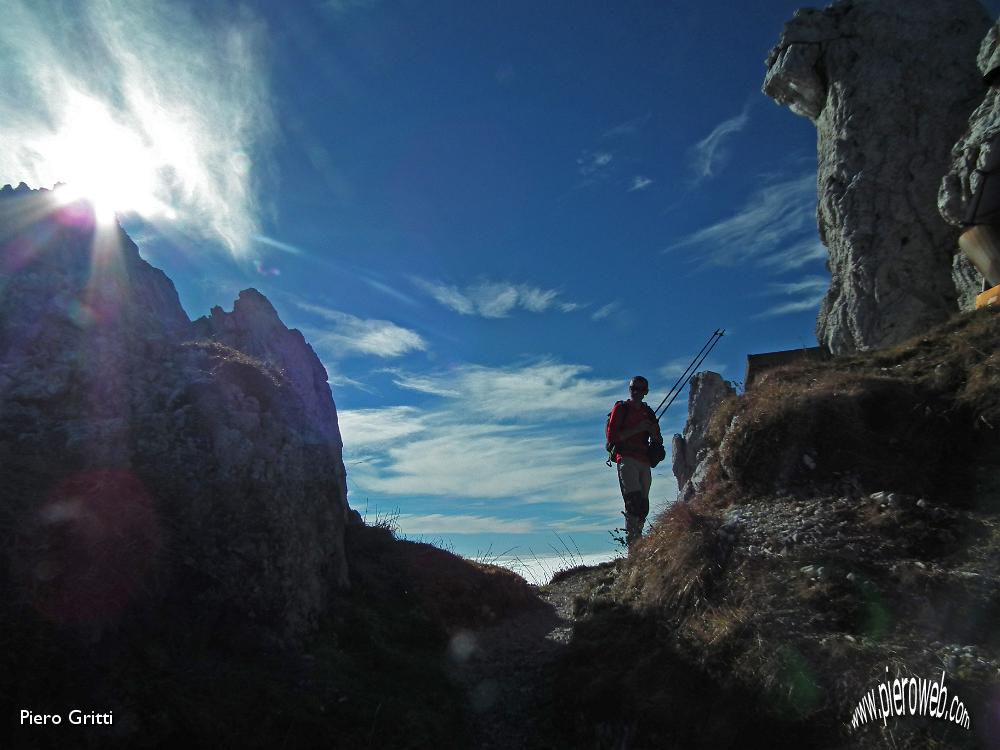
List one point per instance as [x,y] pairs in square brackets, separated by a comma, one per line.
[633,529]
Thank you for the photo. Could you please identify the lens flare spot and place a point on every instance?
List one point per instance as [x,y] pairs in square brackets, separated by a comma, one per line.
[93,539]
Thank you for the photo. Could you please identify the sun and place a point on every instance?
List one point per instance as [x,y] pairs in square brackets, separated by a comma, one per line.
[105,162]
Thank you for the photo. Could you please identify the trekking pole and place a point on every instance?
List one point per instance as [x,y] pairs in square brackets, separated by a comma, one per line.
[689,372]
[683,375]
[694,369]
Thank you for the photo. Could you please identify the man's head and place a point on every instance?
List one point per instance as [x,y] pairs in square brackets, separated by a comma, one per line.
[638,387]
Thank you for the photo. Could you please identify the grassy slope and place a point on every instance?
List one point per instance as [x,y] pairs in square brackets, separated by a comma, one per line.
[759,614]
[374,676]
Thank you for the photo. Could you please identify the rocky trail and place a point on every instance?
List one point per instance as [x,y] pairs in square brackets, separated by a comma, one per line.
[505,668]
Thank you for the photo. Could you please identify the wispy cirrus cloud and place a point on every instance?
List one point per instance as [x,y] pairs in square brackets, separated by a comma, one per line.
[492,299]
[336,378]
[353,335]
[606,311]
[284,247]
[501,393]
[629,127]
[593,163]
[453,456]
[640,183]
[775,219]
[796,255]
[432,385]
[178,133]
[376,428]
[439,523]
[511,436]
[710,154]
[805,294]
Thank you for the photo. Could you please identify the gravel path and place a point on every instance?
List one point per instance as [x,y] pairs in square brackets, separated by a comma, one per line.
[505,669]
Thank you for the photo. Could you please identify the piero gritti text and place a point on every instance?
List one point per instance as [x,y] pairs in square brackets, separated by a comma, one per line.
[76,717]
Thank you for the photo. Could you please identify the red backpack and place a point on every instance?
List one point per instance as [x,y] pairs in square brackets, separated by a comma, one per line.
[655,452]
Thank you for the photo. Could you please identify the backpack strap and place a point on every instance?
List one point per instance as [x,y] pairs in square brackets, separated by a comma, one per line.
[624,411]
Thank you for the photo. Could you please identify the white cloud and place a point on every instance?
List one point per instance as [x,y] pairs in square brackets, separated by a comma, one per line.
[439,523]
[590,163]
[709,154]
[519,392]
[464,461]
[336,378]
[519,447]
[807,293]
[774,217]
[513,433]
[604,312]
[363,429]
[388,290]
[351,334]
[449,296]
[279,245]
[493,299]
[796,255]
[628,128]
[422,384]
[640,183]
[159,108]
[451,456]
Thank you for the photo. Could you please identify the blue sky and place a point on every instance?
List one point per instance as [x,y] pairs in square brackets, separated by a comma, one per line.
[485,217]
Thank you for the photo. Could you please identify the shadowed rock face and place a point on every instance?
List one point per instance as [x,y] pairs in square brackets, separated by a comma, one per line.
[253,327]
[889,85]
[191,473]
[691,451]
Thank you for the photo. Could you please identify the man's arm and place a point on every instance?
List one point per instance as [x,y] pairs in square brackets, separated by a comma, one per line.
[649,426]
[654,427]
[615,423]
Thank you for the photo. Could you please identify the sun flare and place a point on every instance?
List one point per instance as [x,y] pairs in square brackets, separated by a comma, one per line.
[105,163]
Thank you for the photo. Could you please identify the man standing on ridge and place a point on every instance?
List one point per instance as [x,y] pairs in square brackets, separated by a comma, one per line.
[631,427]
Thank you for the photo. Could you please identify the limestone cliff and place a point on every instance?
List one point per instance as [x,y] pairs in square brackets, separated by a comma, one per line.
[977,149]
[889,85]
[149,465]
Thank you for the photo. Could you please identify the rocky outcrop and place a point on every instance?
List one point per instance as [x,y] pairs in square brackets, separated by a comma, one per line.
[253,327]
[977,149]
[151,467]
[692,451]
[889,85]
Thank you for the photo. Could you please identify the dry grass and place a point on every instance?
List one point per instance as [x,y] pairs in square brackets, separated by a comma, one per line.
[921,420]
[453,592]
[671,569]
[917,418]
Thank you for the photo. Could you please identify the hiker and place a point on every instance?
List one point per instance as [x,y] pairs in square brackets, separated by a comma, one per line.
[632,425]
